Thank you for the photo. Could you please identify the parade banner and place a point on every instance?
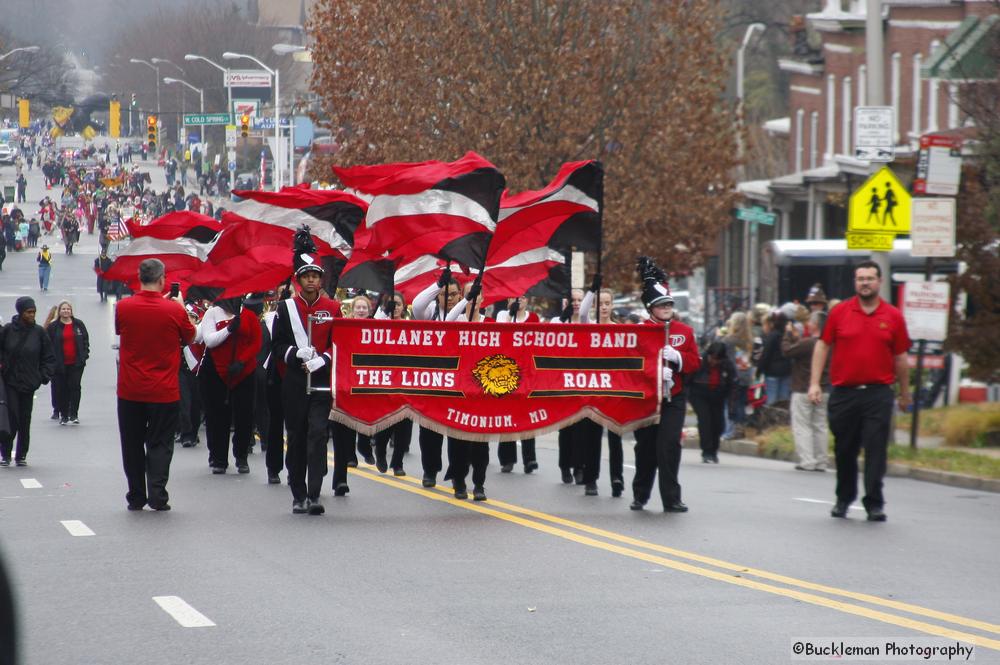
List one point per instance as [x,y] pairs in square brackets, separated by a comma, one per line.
[494,381]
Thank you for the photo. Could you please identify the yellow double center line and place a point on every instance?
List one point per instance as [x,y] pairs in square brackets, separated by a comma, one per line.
[730,573]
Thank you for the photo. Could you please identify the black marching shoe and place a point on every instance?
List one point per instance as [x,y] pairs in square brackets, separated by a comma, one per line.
[299,508]
[567,477]
[341,490]
[636,505]
[315,507]
[54,416]
[591,489]
[4,462]
[675,507]
[617,487]
[368,460]
[506,468]
[530,466]
[429,480]
[75,420]
[242,466]
[218,470]
[273,478]
[876,515]
[64,420]
[461,494]
[478,493]
[160,507]
[381,464]
[398,472]
[839,509]
[21,462]
[578,476]
[136,506]
[353,464]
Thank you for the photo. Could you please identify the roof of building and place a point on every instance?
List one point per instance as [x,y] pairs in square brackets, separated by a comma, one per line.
[965,53]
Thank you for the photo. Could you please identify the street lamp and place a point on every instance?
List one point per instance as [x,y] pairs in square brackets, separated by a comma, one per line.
[225,73]
[229,55]
[137,61]
[287,49]
[26,49]
[749,228]
[201,97]
[181,95]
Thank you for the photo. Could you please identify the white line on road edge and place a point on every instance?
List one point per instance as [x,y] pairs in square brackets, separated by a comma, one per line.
[77,528]
[184,614]
[30,484]
[829,503]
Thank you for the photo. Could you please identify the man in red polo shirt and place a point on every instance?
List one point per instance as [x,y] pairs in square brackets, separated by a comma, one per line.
[869,341]
[152,330]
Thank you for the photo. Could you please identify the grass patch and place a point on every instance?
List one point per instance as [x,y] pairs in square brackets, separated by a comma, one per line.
[962,425]
[775,443]
[954,461]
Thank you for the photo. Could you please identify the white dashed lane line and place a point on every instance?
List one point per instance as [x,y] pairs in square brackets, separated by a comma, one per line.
[77,528]
[829,503]
[184,614]
[30,484]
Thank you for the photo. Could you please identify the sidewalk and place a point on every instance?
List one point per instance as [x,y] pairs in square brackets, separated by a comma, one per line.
[896,469]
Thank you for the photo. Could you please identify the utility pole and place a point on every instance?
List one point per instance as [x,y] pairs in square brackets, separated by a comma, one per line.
[875,65]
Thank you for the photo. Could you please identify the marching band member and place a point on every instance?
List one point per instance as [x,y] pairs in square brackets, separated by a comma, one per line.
[300,355]
[232,338]
[507,450]
[401,432]
[658,447]
[274,433]
[360,308]
[190,407]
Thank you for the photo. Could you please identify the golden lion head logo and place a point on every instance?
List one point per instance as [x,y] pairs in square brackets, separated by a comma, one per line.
[498,375]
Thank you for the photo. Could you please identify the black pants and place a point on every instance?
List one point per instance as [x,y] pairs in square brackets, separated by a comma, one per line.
[69,390]
[587,437]
[859,419]
[658,448]
[225,407]
[507,452]
[709,407]
[570,455]
[363,446]
[616,457]
[306,421]
[19,404]
[462,454]
[430,451]
[274,436]
[261,409]
[344,445]
[147,437]
[400,434]
[189,420]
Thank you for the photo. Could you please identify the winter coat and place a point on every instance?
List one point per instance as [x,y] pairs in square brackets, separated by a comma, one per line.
[81,336]
[28,361]
[772,361]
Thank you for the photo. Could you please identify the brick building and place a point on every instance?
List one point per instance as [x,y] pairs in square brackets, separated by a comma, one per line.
[827,80]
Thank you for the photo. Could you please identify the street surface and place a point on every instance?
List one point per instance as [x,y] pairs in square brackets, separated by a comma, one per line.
[395,573]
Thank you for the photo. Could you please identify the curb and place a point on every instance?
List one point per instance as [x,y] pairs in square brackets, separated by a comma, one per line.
[749,449]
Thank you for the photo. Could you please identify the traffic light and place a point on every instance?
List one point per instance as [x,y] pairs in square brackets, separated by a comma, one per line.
[151,132]
[245,125]
[133,100]
[114,118]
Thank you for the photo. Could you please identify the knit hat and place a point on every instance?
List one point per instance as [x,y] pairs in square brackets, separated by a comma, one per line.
[655,290]
[24,303]
[816,294]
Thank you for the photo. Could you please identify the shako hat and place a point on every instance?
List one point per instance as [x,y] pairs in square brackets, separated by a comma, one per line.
[303,251]
[655,290]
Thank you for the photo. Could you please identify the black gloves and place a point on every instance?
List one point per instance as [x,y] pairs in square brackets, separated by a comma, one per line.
[234,325]
[567,313]
[515,307]
[595,286]
[445,277]
[475,289]
[388,303]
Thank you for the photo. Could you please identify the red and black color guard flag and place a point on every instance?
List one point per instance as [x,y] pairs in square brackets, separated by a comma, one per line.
[444,209]
[182,240]
[254,251]
[537,229]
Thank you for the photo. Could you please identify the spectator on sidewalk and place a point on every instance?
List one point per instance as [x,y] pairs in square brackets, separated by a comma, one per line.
[809,427]
[711,385]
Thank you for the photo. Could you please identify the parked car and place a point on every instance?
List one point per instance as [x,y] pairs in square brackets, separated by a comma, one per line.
[7,154]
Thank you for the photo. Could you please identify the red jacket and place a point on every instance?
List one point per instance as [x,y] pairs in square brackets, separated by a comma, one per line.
[152,331]
[241,347]
[284,342]
[682,338]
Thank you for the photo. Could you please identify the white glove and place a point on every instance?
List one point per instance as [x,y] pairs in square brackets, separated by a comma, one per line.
[308,353]
[668,375]
[315,363]
[671,355]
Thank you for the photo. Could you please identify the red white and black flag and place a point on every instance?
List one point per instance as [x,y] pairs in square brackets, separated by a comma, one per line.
[444,209]
[538,228]
[254,251]
[182,240]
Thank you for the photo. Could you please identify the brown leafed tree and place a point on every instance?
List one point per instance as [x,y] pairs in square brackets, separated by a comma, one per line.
[531,84]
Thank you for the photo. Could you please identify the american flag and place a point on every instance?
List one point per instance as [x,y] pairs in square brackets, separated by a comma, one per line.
[117,231]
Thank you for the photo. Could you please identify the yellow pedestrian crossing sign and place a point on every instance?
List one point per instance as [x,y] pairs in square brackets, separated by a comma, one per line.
[881,205]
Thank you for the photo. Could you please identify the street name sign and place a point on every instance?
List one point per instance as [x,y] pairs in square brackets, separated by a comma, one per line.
[756,215]
[933,227]
[207,119]
[874,242]
[880,205]
[874,133]
[925,308]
